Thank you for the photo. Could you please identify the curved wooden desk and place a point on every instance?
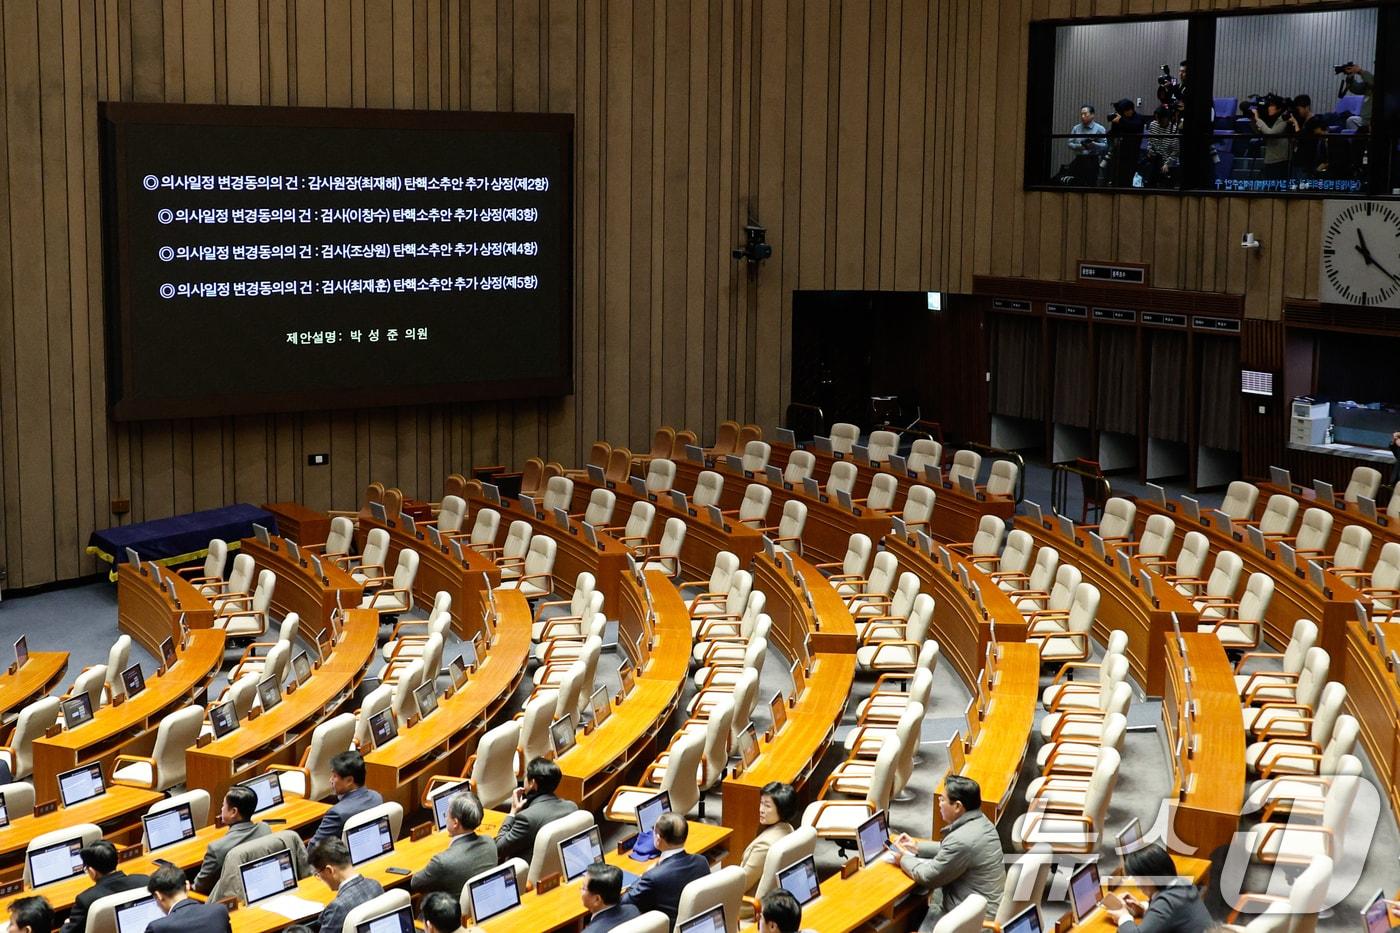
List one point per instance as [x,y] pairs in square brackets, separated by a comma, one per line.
[40,674]
[572,555]
[1383,530]
[1123,604]
[280,736]
[440,570]
[150,616]
[848,904]
[114,811]
[130,727]
[629,740]
[441,743]
[958,625]
[299,590]
[1373,697]
[1210,785]
[794,753]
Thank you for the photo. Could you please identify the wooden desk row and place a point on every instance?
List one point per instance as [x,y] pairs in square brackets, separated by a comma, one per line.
[1383,529]
[848,904]
[440,570]
[41,673]
[1373,697]
[150,615]
[298,588]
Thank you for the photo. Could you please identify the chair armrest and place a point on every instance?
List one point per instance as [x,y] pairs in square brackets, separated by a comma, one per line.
[299,769]
[830,563]
[1053,766]
[1267,771]
[1274,730]
[124,760]
[878,634]
[402,627]
[1239,665]
[1009,575]
[1048,614]
[1070,666]
[400,590]
[1261,680]
[1088,717]
[1292,826]
[985,559]
[569,627]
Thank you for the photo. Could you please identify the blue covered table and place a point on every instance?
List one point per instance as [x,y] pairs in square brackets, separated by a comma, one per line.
[180,538]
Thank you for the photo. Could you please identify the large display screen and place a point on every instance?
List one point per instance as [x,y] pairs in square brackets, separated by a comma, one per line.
[280,259]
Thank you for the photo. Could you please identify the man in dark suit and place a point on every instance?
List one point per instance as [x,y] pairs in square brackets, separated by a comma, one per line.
[601,893]
[237,815]
[442,913]
[466,854]
[531,807]
[31,915]
[100,864]
[183,914]
[660,888]
[347,780]
[330,861]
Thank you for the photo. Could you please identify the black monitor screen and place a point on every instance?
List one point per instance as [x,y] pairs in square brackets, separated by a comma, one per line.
[346,255]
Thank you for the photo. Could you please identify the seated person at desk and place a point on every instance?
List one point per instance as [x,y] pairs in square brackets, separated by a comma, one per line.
[466,854]
[967,861]
[330,861]
[601,894]
[442,913]
[100,864]
[347,780]
[531,807]
[31,915]
[237,815]
[779,912]
[660,888]
[777,808]
[1173,903]
[183,914]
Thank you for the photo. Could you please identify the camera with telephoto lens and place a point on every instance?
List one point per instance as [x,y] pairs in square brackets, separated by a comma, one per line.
[1255,104]
[1338,69]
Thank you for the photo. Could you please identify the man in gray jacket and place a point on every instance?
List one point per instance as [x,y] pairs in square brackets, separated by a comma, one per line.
[531,807]
[967,861]
[237,815]
[466,855]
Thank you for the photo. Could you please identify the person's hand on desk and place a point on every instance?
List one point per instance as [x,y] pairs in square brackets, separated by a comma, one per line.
[1134,907]
[903,845]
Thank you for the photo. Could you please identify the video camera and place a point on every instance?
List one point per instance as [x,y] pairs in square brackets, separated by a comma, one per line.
[1169,90]
[1338,69]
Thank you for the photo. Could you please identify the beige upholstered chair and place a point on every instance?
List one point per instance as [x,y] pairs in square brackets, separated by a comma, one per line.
[243,617]
[33,721]
[1240,498]
[882,445]
[386,903]
[843,437]
[165,767]
[311,778]
[724,887]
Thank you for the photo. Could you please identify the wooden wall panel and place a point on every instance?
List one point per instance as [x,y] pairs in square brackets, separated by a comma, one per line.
[861,133]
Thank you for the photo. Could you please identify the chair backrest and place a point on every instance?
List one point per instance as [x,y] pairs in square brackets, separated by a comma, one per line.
[1042,575]
[19,798]
[540,557]
[1113,731]
[1118,517]
[394,811]
[1315,530]
[532,476]
[907,731]
[844,437]
[87,832]
[393,502]
[1240,497]
[661,475]
[1112,671]
[375,701]
[965,463]
[683,772]
[1117,643]
[905,590]
[1303,638]
[684,438]
[176,733]
[753,510]
[745,697]
[1002,480]
[719,726]
[922,453]
[102,913]
[1255,601]
[794,519]
[965,918]
[920,618]
[881,445]
[243,692]
[662,442]
[737,599]
[857,555]
[1191,559]
[1353,548]
[571,690]
[672,538]
[1101,783]
[883,571]
[1157,536]
[493,772]
[1016,556]
[402,701]
[749,433]
[1084,609]
[601,505]
[755,459]
[1386,572]
[328,739]
[455,485]
[708,487]
[842,479]
[119,655]
[558,493]
[798,844]
[726,438]
[1308,895]
[919,503]
[240,579]
[1025,884]
[1312,679]
[921,686]
[216,558]
[1225,576]
[620,462]
[991,531]
[90,681]
[288,628]
[725,886]
[534,727]
[1279,515]
[639,519]
[34,720]
[882,773]
[883,489]
[1342,743]
[386,903]
[517,540]
[1118,699]
[544,858]
[484,528]
[1067,579]
[800,465]
[376,548]
[452,514]
[1365,481]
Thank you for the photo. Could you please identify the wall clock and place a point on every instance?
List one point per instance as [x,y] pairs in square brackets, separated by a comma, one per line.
[1360,261]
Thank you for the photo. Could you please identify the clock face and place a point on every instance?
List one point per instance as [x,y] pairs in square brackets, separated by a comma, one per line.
[1360,254]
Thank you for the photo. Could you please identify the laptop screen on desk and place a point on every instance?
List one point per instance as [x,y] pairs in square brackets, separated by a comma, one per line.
[134,680]
[579,851]
[442,801]
[268,876]
[650,810]
[269,692]
[562,734]
[223,718]
[55,863]
[426,697]
[399,921]
[873,835]
[4,812]
[711,921]
[168,827]
[77,710]
[135,916]
[493,894]
[1084,890]
[81,784]
[800,880]
[268,787]
[1027,921]
[369,840]
[382,728]
[1376,916]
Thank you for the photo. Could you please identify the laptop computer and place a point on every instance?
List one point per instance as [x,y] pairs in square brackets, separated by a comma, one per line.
[1256,538]
[1222,521]
[582,849]
[800,880]
[860,452]
[135,916]
[966,485]
[1027,921]
[268,876]
[268,788]
[590,533]
[77,710]
[263,537]
[695,454]
[680,500]
[562,734]
[134,680]
[1066,526]
[1085,891]
[382,728]
[925,542]
[748,745]
[787,436]
[873,838]
[493,893]
[269,692]
[1192,508]
[301,668]
[1096,545]
[4,812]
[492,492]
[811,487]
[650,810]
[773,474]
[1287,554]
[408,523]
[22,651]
[711,921]
[639,485]
[899,465]
[167,653]
[79,784]
[1376,915]
[600,705]
[777,708]
[1128,839]
[223,718]
[1280,477]
[57,862]
[134,559]
[843,499]
[1315,575]
[369,840]
[425,695]
[293,550]
[1156,494]
[1324,492]
[167,827]
[934,474]
[1034,512]
[596,474]
[1367,507]
[527,505]
[823,444]
[395,921]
